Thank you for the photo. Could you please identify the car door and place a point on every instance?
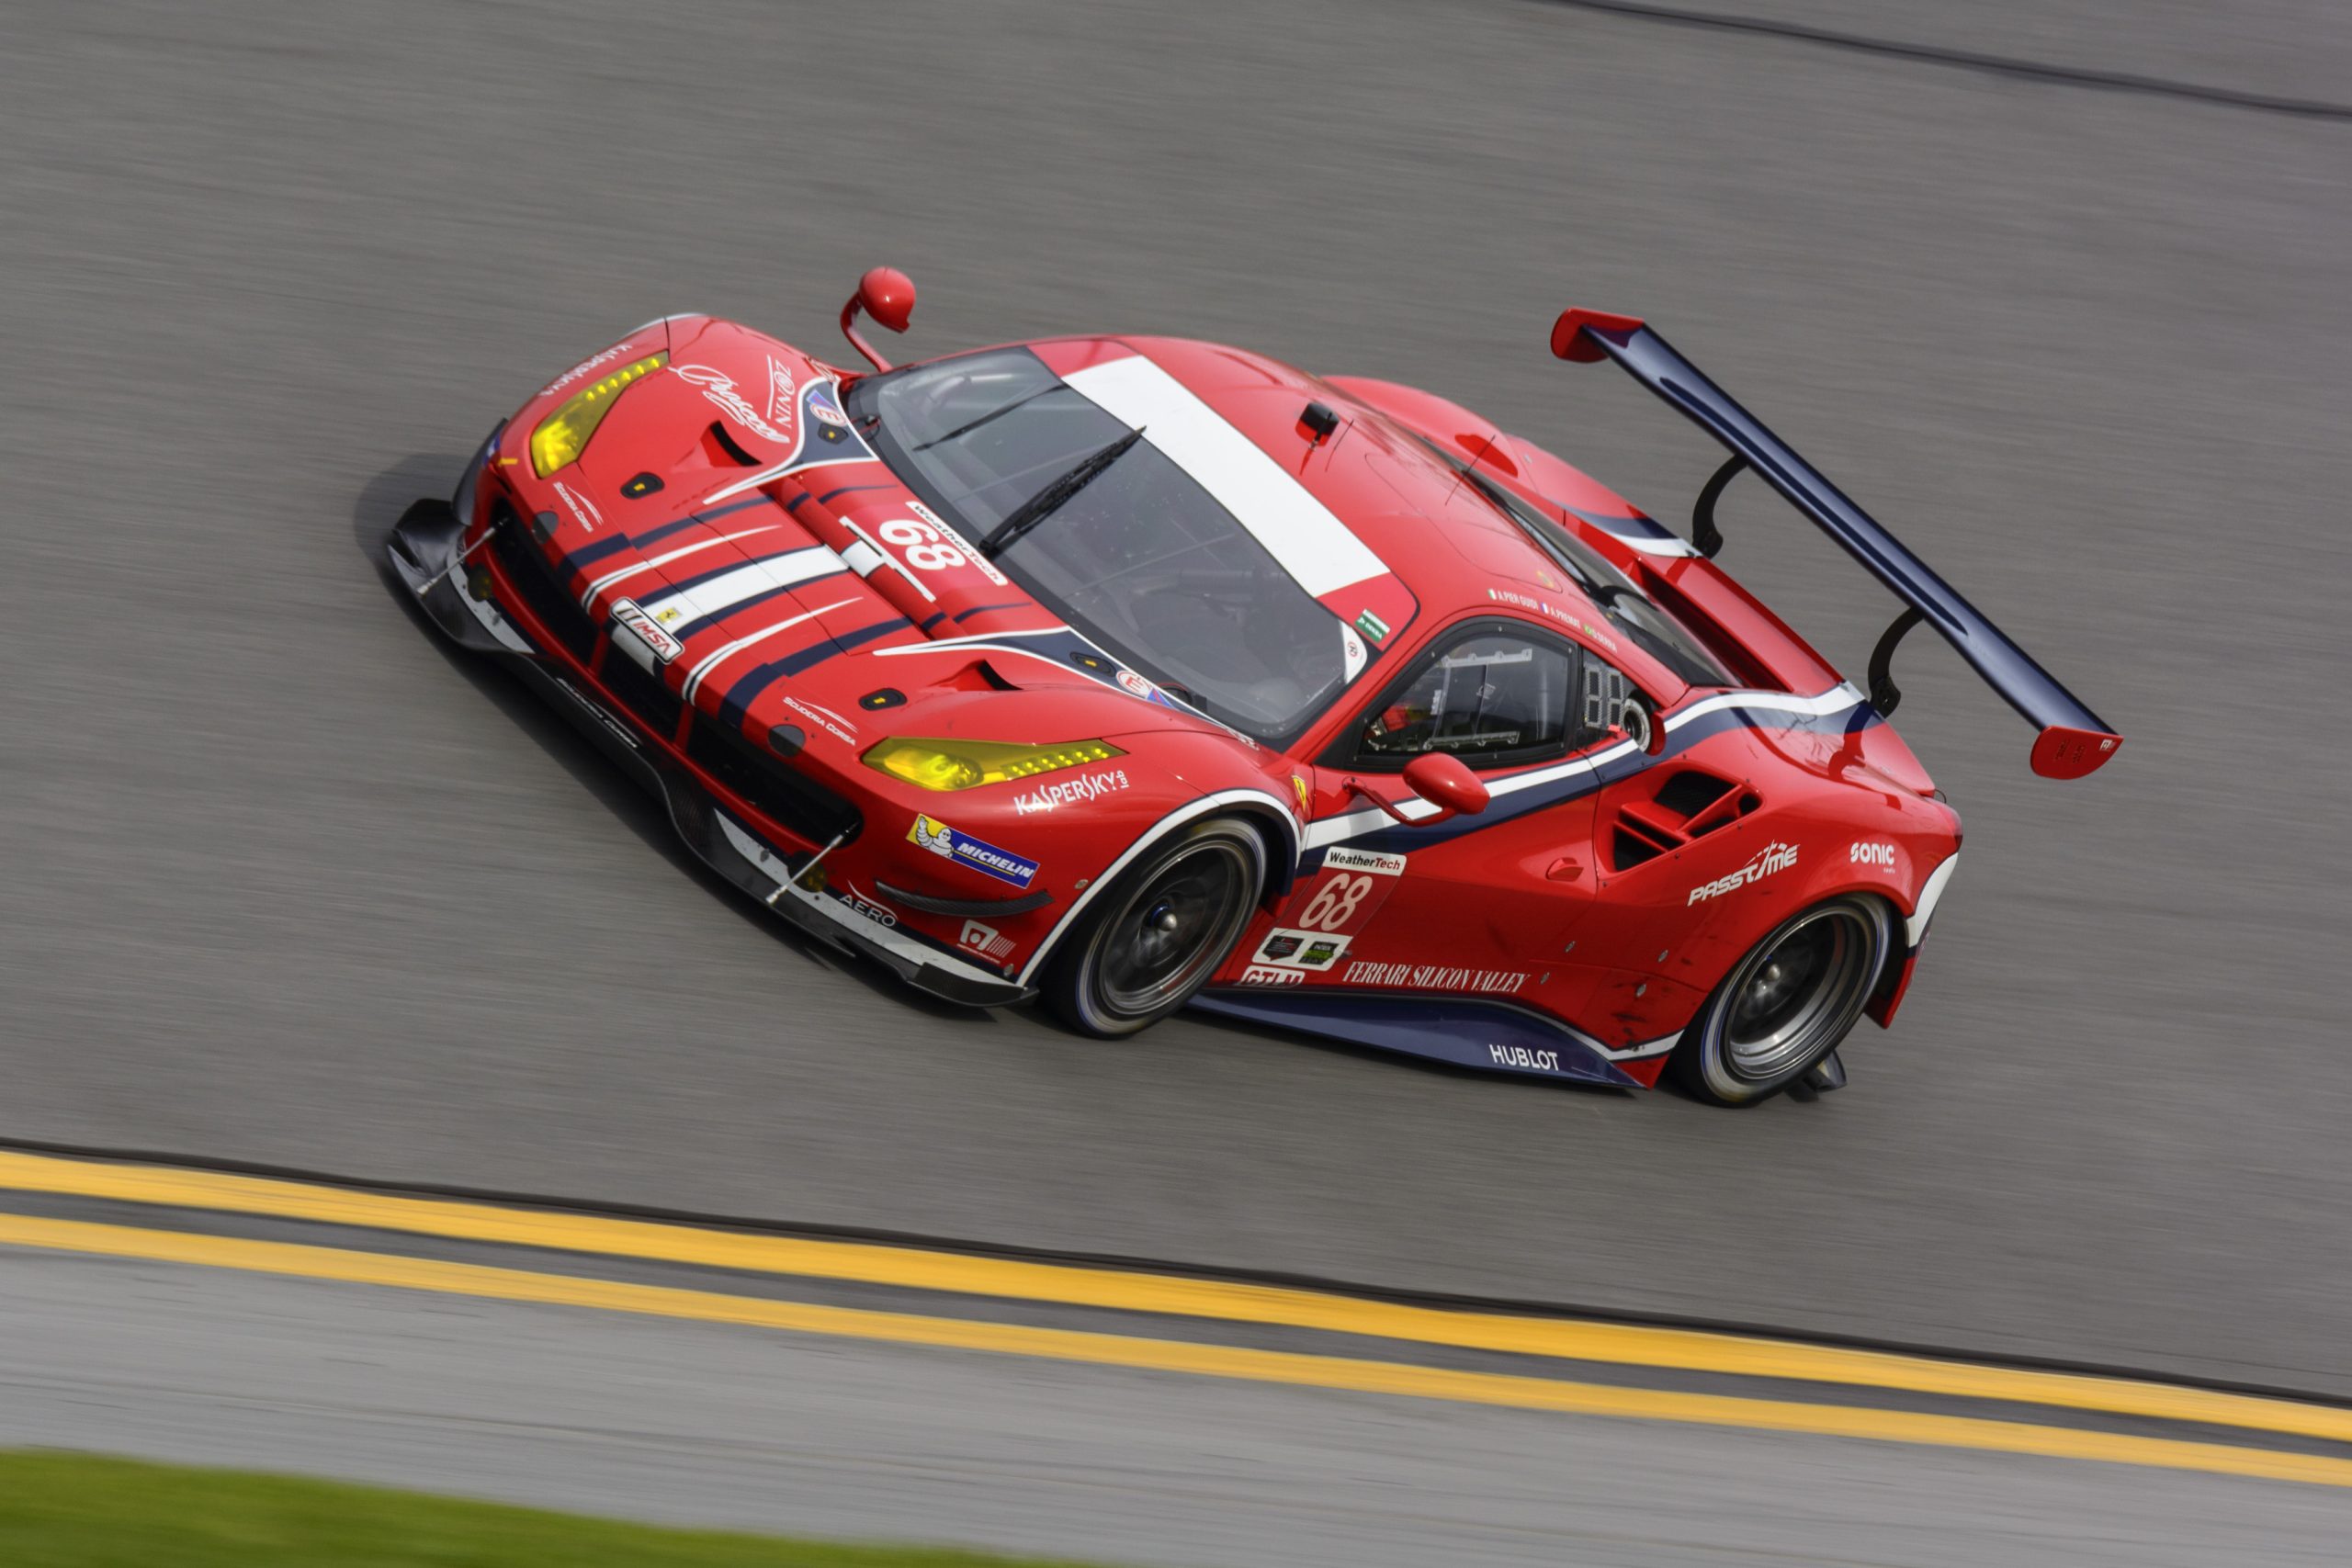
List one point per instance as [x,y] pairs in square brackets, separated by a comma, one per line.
[1486,905]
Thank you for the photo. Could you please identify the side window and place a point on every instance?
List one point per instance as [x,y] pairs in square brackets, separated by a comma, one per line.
[1492,694]
[1600,708]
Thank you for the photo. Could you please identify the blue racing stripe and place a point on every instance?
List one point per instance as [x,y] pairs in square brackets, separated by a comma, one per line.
[844,490]
[611,545]
[687,584]
[737,702]
[1508,807]
[686,630]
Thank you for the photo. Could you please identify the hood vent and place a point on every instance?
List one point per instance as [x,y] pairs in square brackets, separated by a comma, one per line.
[721,447]
[1689,804]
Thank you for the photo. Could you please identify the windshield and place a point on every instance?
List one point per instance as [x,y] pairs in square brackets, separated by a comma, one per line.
[1138,558]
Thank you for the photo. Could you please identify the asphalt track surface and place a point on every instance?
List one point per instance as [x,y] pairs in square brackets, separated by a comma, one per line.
[287,882]
[718,1375]
[717,1427]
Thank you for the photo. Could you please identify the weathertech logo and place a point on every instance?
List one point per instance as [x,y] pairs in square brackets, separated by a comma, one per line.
[1770,859]
[1364,860]
[987,940]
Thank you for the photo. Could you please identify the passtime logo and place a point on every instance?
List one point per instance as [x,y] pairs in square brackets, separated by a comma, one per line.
[1770,859]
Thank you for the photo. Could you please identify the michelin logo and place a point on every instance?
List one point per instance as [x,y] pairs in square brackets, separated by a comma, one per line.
[986,858]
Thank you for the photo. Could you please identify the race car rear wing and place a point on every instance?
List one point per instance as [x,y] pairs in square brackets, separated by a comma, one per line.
[2073,740]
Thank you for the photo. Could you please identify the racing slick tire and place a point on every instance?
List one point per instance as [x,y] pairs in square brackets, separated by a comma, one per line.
[1787,1003]
[1156,935]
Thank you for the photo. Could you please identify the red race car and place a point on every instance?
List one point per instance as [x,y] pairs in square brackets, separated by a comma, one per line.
[1130,673]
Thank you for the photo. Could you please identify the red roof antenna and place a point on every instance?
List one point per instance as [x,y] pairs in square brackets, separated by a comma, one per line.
[888,296]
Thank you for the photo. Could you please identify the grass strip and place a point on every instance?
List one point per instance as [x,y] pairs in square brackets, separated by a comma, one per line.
[71,1510]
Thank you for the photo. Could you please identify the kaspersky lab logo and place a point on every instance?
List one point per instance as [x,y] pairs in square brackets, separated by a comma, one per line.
[1770,859]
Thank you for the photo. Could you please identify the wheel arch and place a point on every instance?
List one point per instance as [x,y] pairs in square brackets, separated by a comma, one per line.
[1256,808]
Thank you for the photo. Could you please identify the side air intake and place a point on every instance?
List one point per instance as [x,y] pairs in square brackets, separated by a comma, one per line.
[1689,804]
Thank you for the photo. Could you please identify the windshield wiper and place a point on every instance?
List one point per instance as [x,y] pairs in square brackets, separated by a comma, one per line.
[1055,494]
[998,413]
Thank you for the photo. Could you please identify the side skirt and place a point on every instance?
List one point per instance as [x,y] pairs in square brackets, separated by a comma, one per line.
[1490,1036]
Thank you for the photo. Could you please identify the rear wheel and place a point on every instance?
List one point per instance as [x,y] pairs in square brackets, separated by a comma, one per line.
[1786,1004]
[1156,935]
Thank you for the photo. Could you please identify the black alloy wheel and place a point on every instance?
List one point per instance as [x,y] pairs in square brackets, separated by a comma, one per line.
[1787,1003]
[1156,935]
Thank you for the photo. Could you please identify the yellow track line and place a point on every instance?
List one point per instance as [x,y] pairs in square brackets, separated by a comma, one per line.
[1619,1344]
[1169,1356]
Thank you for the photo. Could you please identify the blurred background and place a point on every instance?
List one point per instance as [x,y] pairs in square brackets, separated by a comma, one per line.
[286,883]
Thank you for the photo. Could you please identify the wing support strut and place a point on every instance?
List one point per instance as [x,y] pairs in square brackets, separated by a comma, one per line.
[1704,532]
[2069,740]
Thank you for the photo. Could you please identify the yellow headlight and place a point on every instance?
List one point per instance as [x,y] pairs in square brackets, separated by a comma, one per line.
[962,764]
[563,435]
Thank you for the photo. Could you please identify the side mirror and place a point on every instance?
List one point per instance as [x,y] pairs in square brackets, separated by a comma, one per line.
[1444,780]
[888,296]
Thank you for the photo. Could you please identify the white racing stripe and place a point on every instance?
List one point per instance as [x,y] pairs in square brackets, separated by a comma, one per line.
[729,589]
[1644,1051]
[789,466]
[1628,531]
[1837,698]
[1109,873]
[881,558]
[718,656]
[1915,927]
[1314,546]
[588,599]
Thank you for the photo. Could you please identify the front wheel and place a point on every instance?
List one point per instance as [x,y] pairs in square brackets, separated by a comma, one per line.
[1157,934]
[1786,1004]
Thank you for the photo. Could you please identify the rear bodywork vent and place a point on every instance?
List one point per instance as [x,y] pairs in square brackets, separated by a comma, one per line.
[1689,791]
[1689,804]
